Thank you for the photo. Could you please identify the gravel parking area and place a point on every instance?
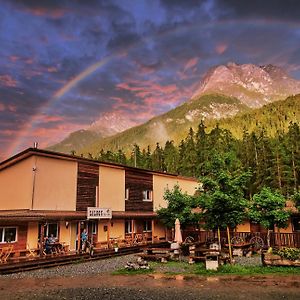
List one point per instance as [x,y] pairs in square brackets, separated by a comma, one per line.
[77,269]
[110,265]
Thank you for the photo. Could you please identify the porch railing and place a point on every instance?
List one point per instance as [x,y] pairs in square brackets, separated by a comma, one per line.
[276,239]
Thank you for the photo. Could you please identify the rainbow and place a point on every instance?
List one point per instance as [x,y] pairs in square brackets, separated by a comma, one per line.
[23,134]
[20,138]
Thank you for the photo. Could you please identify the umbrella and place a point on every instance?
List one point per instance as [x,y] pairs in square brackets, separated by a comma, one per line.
[178,236]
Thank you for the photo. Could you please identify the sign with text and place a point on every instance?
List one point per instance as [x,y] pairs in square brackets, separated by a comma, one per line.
[99,213]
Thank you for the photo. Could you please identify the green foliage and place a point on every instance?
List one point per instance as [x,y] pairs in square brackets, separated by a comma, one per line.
[289,253]
[296,199]
[268,208]
[180,206]
[222,196]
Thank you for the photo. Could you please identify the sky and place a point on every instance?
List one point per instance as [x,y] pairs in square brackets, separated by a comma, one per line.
[66,64]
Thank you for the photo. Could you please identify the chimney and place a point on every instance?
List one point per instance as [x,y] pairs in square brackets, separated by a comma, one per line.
[35,145]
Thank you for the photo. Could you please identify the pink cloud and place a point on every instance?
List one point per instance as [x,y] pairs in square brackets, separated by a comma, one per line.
[8,81]
[2,107]
[190,64]
[14,58]
[42,12]
[52,69]
[221,48]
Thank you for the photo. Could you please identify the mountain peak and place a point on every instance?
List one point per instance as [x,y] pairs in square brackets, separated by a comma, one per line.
[252,85]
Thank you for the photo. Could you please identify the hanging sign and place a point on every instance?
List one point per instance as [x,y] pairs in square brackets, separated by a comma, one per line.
[99,213]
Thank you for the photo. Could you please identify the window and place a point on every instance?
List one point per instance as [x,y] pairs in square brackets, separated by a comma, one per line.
[49,228]
[147,195]
[94,227]
[147,226]
[127,194]
[296,223]
[128,227]
[8,234]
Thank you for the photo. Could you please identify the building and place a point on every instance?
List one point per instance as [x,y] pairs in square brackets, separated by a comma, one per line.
[44,192]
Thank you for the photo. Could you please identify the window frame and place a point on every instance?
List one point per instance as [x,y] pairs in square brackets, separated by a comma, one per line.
[147,193]
[126,194]
[294,220]
[128,227]
[146,225]
[2,240]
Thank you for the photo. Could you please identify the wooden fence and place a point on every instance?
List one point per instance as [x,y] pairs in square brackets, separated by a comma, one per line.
[276,239]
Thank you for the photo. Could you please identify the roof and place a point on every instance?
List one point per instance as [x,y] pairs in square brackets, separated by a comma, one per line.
[52,154]
[45,215]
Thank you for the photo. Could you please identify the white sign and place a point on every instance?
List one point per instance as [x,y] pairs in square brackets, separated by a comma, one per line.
[99,213]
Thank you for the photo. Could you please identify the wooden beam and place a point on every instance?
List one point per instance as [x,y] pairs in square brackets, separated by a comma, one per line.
[42,239]
[78,236]
[152,230]
[132,230]
[108,234]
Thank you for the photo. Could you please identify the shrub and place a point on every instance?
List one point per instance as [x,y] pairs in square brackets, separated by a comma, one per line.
[289,253]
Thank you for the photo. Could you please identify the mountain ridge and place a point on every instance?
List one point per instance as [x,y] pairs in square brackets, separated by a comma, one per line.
[224,91]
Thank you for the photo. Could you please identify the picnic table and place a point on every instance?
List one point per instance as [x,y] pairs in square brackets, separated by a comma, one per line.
[160,254]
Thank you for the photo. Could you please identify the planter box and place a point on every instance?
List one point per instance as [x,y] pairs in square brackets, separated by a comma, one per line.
[276,260]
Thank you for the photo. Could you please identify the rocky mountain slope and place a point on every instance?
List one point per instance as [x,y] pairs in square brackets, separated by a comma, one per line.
[253,85]
[225,91]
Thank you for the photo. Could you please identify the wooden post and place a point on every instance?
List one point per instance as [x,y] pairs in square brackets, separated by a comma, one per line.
[108,234]
[152,230]
[132,230]
[42,239]
[219,238]
[229,244]
[78,237]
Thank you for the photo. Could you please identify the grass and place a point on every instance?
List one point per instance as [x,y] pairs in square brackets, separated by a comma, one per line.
[247,270]
[183,268]
[124,271]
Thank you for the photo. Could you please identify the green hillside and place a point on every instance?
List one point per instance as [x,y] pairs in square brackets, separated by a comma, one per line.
[174,126]
[76,141]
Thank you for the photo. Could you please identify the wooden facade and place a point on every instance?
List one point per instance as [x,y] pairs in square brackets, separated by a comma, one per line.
[137,182]
[87,182]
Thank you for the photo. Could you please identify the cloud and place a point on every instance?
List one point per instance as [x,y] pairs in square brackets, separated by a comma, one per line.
[8,81]
[191,63]
[221,48]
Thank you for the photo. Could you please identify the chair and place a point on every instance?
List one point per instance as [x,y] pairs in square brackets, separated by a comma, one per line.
[5,253]
[32,252]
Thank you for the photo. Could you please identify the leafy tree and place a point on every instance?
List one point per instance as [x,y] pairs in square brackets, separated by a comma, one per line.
[268,209]
[180,206]
[222,199]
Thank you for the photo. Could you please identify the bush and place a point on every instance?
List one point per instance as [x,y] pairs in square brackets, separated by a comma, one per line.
[289,253]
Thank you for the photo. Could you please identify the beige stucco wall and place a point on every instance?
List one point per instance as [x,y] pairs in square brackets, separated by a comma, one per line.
[112,188]
[245,227]
[289,228]
[55,184]
[64,233]
[118,229]
[16,185]
[32,235]
[102,235]
[161,183]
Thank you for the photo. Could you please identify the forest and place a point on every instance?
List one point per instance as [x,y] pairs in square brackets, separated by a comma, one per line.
[273,161]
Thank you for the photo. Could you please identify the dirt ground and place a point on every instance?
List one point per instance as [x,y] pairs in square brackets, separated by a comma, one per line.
[106,286]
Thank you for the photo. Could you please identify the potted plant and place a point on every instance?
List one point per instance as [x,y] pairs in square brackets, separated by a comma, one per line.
[116,246]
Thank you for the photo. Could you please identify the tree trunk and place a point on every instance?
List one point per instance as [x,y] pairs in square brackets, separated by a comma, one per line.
[268,238]
[278,171]
[229,245]
[219,238]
